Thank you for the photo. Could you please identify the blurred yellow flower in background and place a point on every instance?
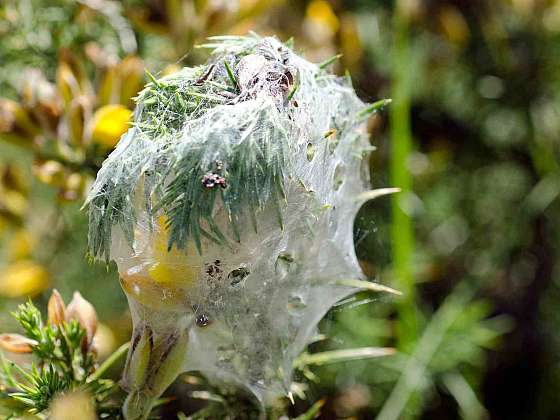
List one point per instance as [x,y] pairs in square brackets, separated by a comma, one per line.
[321,24]
[14,191]
[23,278]
[21,245]
[69,125]
[321,12]
[454,25]
[66,407]
[109,123]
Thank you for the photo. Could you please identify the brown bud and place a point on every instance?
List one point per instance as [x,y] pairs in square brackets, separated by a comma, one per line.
[84,312]
[16,343]
[56,309]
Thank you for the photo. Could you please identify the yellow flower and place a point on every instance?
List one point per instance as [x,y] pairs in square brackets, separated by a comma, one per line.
[171,277]
[23,278]
[21,245]
[321,12]
[110,122]
[174,267]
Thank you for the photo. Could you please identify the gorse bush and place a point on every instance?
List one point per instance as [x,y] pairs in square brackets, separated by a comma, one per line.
[471,241]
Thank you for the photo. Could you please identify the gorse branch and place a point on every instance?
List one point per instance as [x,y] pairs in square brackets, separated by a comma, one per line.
[66,359]
[182,156]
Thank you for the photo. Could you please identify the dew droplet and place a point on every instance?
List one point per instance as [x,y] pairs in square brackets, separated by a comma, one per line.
[202,320]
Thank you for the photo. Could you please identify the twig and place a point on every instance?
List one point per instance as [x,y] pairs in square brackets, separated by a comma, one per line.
[117,354]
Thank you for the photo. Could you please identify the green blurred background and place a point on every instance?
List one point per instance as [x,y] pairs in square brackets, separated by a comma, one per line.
[472,138]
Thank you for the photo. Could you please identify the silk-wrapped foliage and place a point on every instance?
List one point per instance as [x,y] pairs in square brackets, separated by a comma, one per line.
[228,208]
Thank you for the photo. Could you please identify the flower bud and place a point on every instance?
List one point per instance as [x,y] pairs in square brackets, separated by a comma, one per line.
[138,363]
[151,368]
[83,312]
[16,343]
[56,309]
[171,358]
[66,406]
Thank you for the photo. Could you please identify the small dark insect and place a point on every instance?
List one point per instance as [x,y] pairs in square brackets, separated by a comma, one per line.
[210,180]
[202,320]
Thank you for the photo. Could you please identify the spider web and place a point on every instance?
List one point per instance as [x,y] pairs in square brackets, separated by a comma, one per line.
[249,293]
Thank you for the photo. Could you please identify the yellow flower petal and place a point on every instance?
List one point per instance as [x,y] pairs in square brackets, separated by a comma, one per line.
[131,72]
[110,122]
[174,267]
[14,202]
[15,123]
[23,278]
[49,172]
[171,277]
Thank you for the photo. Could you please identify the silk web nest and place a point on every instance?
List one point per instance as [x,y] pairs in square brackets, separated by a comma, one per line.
[228,208]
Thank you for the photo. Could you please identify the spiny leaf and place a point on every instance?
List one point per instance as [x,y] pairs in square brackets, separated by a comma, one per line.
[231,75]
[335,356]
[329,61]
[367,285]
[373,108]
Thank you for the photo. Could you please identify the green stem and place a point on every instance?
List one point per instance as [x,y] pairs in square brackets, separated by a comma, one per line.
[117,354]
[401,141]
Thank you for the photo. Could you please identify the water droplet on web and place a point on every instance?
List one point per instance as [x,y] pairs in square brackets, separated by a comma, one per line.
[202,320]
